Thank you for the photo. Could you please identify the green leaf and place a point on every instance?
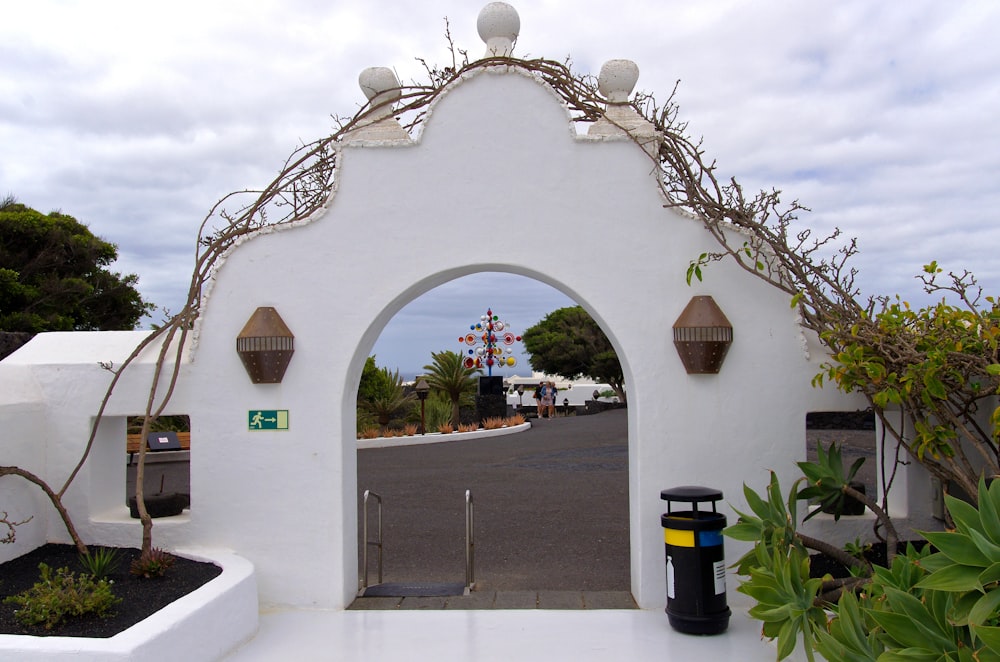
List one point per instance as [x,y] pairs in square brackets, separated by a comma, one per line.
[984,545]
[966,517]
[954,578]
[743,531]
[936,561]
[928,629]
[912,655]
[990,636]
[958,547]
[990,575]
[756,503]
[854,469]
[786,639]
[935,387]
[769,614]
[985,608]
[989,510]
[906,632]
[959,614]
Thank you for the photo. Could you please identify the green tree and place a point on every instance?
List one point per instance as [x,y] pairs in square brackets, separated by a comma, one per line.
[450,376]
[370,379]
[569,343]
[385,397]
[54,276]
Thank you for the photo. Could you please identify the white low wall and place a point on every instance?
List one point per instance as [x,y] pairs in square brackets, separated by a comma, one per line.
[206,624]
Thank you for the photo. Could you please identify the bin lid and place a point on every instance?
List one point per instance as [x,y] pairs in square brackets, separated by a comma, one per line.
[691,494]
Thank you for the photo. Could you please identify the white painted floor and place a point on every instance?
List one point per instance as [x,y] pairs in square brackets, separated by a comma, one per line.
[500,635]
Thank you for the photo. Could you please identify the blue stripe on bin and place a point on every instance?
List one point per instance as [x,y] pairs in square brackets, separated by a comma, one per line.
[710,538]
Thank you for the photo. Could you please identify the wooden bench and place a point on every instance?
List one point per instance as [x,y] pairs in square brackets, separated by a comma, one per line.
[133,441]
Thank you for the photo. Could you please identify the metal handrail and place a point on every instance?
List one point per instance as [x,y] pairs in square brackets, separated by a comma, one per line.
[470,541]
[377,542]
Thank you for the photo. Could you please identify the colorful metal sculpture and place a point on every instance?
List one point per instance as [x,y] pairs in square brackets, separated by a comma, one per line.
[489,343]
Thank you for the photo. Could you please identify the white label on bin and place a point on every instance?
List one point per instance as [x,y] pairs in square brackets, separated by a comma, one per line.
[670,577]
[720,577]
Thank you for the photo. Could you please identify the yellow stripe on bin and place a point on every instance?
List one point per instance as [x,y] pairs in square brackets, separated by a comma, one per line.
[678,538]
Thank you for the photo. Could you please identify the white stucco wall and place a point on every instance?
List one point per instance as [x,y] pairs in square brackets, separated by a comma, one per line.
[498,149]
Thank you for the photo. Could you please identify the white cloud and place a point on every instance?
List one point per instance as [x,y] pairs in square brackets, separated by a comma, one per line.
[136,118]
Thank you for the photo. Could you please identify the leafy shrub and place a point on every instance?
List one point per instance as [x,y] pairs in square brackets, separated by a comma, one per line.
[516,419]
[153,563]
[369,433]
[54,598]
[938,603]
[437,410]
[493,423]
[410,429]
[445,428]
[467,427]
[100,562]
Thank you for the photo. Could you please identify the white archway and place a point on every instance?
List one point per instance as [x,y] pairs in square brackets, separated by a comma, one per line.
[350,404]
[498,145]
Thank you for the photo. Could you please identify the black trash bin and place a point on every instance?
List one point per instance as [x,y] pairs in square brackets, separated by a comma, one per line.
[696,565]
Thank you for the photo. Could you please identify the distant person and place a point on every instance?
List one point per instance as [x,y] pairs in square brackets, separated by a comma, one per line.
[548,399]
[538,399]
[553,391]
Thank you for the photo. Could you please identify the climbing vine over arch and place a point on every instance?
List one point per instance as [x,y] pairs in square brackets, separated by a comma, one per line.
[754,230]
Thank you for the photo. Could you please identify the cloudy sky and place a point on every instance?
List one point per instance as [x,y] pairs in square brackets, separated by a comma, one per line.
[137,117]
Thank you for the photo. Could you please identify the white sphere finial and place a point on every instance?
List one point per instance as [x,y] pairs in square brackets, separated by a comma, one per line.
[498,26]
[617,80]
[380,85]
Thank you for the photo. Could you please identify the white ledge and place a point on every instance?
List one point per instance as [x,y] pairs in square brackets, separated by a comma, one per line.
[205,624]
[438,438]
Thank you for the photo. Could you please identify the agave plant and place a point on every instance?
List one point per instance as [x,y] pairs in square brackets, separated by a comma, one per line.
[968,560]
[940,605]
[829,485]
[786,597]
[827,480]
[898,620]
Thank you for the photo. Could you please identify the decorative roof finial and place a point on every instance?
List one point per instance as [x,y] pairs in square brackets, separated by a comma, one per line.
[382,89]
[616,82]
[380,85]
[498,26]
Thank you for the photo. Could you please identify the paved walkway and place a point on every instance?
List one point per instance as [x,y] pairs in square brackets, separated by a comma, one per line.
[480,599]
[551,507]
[552,566]
[500,636]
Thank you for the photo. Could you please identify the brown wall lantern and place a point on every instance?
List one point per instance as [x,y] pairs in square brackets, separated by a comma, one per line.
[702,336]
[265,346]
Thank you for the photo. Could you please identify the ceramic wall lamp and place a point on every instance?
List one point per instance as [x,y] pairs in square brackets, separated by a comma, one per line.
[702,336]
[265,346]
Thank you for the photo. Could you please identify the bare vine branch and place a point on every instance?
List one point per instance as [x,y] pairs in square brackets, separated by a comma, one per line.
[754,230]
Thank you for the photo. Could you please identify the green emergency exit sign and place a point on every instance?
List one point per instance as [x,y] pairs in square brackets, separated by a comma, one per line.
[268,419]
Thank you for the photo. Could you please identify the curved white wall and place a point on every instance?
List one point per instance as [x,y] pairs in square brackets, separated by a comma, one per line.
[497,149]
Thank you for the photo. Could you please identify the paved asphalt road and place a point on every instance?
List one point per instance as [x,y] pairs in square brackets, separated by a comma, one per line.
[551,507]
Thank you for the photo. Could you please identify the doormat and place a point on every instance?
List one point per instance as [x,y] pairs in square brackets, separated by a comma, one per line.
[414,590]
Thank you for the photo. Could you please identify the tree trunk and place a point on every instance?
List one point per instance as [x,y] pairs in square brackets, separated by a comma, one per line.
[54,498]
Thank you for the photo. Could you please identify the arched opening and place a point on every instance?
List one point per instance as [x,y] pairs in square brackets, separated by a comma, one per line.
[551,503]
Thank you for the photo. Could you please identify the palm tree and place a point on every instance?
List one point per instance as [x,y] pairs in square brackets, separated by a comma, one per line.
[449,375]
[386,397]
